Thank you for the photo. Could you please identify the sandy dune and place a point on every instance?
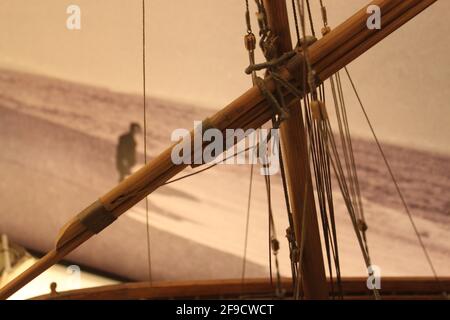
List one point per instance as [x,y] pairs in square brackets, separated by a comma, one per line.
[36,203]
[58,144]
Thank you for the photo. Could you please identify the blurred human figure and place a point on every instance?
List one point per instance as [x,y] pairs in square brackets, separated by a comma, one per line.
[126,151]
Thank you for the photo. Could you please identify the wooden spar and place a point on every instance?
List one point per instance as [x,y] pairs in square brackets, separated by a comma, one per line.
[353,288]
[328,55]
[298,174]
[172,289]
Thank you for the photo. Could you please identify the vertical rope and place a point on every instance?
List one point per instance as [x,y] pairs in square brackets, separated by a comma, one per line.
[311,22]
[144,84]
[297,31]
[249,200]
[247,222]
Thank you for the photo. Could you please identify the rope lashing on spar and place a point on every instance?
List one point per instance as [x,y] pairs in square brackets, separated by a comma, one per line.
[281,111]
[273,62]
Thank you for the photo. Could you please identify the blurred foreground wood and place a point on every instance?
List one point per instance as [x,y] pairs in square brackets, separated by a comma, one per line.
[392,288]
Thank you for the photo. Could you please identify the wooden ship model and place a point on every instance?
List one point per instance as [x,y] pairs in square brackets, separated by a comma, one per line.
[292,97]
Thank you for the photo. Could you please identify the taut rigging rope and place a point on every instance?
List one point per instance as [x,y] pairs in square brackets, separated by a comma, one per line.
[147,224]
[311,22]
[397,186]
[250,44]
[297,30]
[247,220]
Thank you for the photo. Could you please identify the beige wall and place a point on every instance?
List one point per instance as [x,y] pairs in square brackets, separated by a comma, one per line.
[195,54]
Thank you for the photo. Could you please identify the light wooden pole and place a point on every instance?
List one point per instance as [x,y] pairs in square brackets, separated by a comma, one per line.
[338,48]
[298,174]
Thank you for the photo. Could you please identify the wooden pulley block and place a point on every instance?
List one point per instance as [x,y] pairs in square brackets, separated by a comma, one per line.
[318,109]
[250,41]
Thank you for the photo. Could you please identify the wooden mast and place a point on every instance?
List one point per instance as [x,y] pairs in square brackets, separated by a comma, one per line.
[338,48]
[298,174]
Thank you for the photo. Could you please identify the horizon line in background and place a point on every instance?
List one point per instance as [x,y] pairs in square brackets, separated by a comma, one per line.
[169,100]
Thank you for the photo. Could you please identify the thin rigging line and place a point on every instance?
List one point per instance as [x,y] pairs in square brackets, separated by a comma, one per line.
[208,167]
[397,187]
[337,167]
[147,224]
[311,23]
[244,258]
[249,200]
[294,9]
